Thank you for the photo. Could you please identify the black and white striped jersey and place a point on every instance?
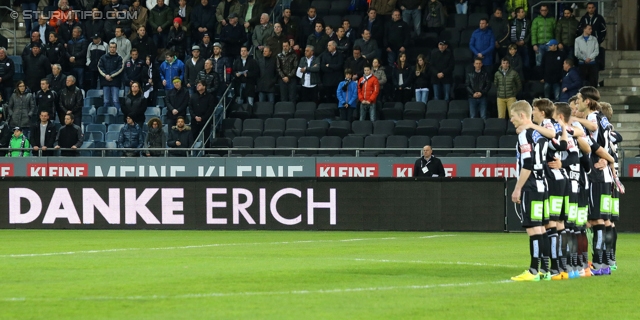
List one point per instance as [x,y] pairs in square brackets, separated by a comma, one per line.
[531,152]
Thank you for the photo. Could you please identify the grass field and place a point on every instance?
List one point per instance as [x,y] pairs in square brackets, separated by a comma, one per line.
[66,274]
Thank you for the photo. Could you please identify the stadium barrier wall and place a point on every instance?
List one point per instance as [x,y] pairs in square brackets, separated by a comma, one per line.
[409,204]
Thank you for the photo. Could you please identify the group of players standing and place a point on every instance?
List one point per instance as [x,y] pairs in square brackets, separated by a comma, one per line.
[567,185]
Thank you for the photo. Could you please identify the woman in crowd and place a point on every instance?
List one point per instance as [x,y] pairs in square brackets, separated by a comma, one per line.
[156,138]
[178,38]
[402,79]
[135,104]
[421,80]
[22,108]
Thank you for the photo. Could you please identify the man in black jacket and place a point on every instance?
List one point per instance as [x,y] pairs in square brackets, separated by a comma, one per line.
[552,70]
[180,136]
[7,70]
[69,136]
[478,86]
[595,20]
[71,101]
[246,73]
[210,77]
[356,63]
[43,135]
[77,53]
[46,100]
[203,20]
[202,105]
[132,70]
[57,80]
[428,165]
[35,39]
[442,64]
[307,25]
[332,69]
[287,63]
[5,133]
[36,67]
[233,36]
[176,101]
[396,37]
[192,67]
[144,44]
[55,51]
[267,82]
[375,25]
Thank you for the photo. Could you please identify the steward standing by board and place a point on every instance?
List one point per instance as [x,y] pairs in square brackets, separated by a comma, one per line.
[428,165]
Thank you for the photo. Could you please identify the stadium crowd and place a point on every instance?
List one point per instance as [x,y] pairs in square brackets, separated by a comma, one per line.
[353,54]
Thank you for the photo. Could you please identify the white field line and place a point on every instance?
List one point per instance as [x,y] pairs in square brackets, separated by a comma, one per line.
[250,293]
[480,264]
[27,255]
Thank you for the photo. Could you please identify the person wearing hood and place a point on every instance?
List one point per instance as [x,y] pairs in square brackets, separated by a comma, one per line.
[482,43]
[71,101]
[21,108]
[111,67]
[130,137]
[155,138]
[180,136]
[170,68]
[178,38]
[135,104]
[19,141]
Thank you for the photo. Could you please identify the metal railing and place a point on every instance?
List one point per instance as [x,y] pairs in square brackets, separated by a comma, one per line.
[12,13]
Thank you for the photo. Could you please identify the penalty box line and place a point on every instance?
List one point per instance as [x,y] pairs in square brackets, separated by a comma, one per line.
[255,293]
[28,255]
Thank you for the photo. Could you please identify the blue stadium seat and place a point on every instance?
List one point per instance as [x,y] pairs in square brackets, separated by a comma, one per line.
[95,93]
[95,128]
[112,136]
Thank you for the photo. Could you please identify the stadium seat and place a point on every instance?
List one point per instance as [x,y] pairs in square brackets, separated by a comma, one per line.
[95,93]
[472,127]
[322,7]
[452,35]
[309,142]
[86,119]
[284,109]
[263,110]
[374,141]
[458,109]
[264,142]
[474,19]
[95,128]
[465,39]
[326,111]
[405,128]
[392,111]
[340,128]
[232,127]
[330,142]
[285,142]
[427,127]
[305,110]
[334,21]
[242,142]
[383,127]
[495,127]
[242,111]
[355,20]
[397,142]
[462,54]
[511,129]
[440,142]
[94,136]
[299,8]
[362,128]
[115,127]
[112,136]
[111,145]
[419,141]
[414,111]
[86,145]
[461,21]
[450,127]
[295,127]
[486,143]
[274,127]
[317,128]
[153,111]
[352,142]
[461,142]
[252,127]
[220,143]
[459,76]
[339,8]
[437,109]
[508,142]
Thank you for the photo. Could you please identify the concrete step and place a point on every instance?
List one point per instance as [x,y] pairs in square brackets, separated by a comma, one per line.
[625,108]
[622,82]
[630,144]
[619,73]
[629,134]
[630,55]
[625,125]
[633,102]
[633,64]
[629,91]
[626,117]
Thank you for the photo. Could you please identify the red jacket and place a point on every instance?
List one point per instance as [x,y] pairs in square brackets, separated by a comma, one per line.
[368,89]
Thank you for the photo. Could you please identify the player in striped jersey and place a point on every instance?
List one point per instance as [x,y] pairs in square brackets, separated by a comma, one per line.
[529,193]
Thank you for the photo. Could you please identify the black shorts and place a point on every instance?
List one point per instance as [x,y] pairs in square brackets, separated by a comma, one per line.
[600,201]
[570,213]
[615,204]
[557,193]
[583,206]
[531,208]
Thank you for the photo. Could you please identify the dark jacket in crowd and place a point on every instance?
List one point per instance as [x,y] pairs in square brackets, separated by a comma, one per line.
[47,101]
[57,83]
[233,38]
[56,53]
[287,63]
[306,28]
[130,136]
[78,48]
[65,32]
[92,27]
[572,82]
[442,61]
[5,135]
[376,28]
[319,42]
[178,100]
[36,68]
[220,65]
[500,29]
[551,66]
[185,138]
[70,99]
[133,71]
[211,78]
[155,138]
[268,74]
[191,70]
[21,109]
[275,42]
[204,17]
[313,69]
[68,136]
[331,68]
[145,45]
[134,106]
[160,17]
[423,80]
[344,46]
[251,78]
[397,34]
[433,165]
[27,49]
[407,76]
[507,83]
[290,29]
[206,50]
[49,137]
[177,41]
[356,65]
[515,63]
[111,64]
[201,105]
[94,53]
[7,71]
[597,23]
[478,82]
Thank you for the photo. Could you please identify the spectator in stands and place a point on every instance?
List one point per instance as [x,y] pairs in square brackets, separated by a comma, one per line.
[96,49]
[201,105]
[177,39]
[55,51]
[160,19]
[193,66]
[111,67]
[307,25]
[512,7]
[69,137]
[508,84]
[552,70]
[7,70]
[132,70]
[331,66]
[368,47]
[176,101]
[428,165]
[343,43]
[596,21]
[309,74]
[442,64]
[421,79]
[36,67]
[571,82]
[277,39]
[123,44]
[57,80]
[135,104]
[375,27]
[378,70]
[206,47]
[330,33]
[61,15]
[515,60]
[141,15]
[130,137]
[295,47]
[222,66]
[223,10]
[565,32]
[368,91]
[246,70]
[95,25]
[46,100]
[144,44]
[170,68]
[478,85]
[349,32]
[233,36]
[500,28]
[318,39]
[110,25]
[71,101]
[396,37]
[155,137]
[347,94]
[286,64]
[356,64]
[542,31]
[402,79]
[43,29]
[482,43]
[77,53]
[18,141]
[435,16]
[203,20]
[586,51]
[184,12]
[150,79]
[289,26]
[5,130]
[267,81]
[21,108]
[412,13]
[520,34]
[262,32]
[43,135]
[462,6]
[384,8]
[180,136]
[66,29]
[35,40]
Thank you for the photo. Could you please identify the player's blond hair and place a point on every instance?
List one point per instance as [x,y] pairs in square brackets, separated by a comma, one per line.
[606,109]
[521,107]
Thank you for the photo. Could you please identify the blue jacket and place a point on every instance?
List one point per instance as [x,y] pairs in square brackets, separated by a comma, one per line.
[111,64]
[130,137]
[483,41]
[169,71]
[572,82]
[350,97]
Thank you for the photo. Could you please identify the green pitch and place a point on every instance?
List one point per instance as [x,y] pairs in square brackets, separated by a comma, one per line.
[67,274]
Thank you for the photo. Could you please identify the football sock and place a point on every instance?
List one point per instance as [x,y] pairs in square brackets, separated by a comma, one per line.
[608,242]
[546,250]
[563,252]
[615,242]
[553,246]
[534,250]
[598,244]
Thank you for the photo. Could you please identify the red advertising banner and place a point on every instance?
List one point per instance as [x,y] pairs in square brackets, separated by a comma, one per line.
[406,170]
[634,170]
[6,169]
[57,170]
[351,170]
[494,170]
